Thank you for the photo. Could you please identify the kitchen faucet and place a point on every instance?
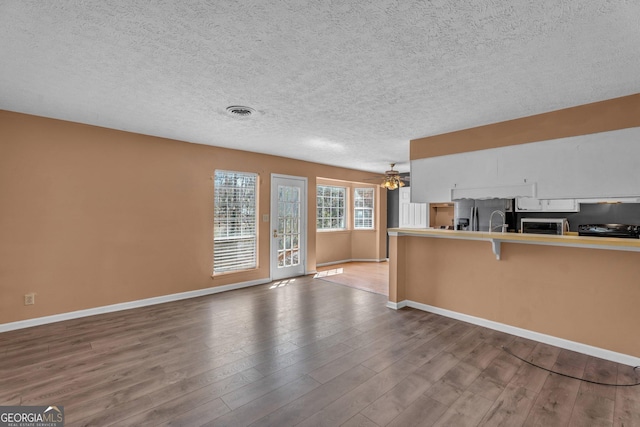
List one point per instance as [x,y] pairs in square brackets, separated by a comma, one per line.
[504,221]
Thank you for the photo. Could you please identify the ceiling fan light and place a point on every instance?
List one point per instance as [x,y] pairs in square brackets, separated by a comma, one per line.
[391,182]
[392,179]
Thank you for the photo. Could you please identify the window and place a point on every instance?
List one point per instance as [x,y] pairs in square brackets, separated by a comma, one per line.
[330,205]
[363,208]
[234,221]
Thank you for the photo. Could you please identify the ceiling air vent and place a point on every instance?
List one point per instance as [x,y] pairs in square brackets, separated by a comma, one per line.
[240,111]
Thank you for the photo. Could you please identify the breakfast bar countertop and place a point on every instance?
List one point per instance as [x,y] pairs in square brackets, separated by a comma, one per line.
[572,240]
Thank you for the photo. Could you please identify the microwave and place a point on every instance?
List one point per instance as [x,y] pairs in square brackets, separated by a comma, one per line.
[544,225]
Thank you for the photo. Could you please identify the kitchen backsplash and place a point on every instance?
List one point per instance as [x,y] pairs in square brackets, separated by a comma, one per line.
[620,213]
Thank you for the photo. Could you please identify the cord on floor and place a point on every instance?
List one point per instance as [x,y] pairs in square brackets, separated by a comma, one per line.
[570,376]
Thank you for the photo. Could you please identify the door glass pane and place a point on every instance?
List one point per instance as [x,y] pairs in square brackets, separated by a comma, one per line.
[289,225]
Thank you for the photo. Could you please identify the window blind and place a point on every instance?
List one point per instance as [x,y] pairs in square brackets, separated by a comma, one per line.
[235,221]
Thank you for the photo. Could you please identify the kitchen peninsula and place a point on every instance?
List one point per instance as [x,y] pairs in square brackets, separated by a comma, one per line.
[575,292]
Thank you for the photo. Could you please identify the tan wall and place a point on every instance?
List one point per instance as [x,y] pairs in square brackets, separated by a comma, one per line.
[92,216]
[335,246]
[618,113]
[583,295]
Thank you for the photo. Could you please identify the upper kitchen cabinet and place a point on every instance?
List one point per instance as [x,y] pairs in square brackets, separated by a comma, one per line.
[530,204]
[599,165]
[561,205]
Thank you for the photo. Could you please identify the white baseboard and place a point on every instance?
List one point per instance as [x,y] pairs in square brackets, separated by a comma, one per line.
[5,327]
[344,261]
[601,353]
[396,305]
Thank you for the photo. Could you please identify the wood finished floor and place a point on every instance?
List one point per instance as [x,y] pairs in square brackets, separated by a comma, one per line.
[305,352]
[368,276]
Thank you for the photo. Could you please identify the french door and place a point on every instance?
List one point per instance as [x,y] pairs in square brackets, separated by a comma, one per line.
[288,226]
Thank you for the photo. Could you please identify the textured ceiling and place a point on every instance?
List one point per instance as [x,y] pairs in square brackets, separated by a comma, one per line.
[344,83]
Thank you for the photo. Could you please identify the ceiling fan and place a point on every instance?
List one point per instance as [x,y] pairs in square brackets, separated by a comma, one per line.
[392,179]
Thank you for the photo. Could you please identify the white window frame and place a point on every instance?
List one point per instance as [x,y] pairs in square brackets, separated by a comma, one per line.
[360,205]
[235,234]
[324,205]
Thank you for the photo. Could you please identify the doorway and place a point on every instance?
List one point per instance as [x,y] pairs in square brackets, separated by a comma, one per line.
[288,226]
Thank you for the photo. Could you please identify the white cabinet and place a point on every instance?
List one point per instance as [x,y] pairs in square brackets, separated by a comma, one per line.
[530,204]
[599,165]
[561,205]
[611,200]
[412,215]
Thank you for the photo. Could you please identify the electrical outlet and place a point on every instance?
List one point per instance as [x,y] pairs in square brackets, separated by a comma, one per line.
[29,299]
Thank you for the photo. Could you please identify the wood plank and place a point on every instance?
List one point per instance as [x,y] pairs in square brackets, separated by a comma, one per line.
[310,357]
[511,407]
[554,404]
[424,411]
[625,396]
[266,404]
[482,355]
[627,412]
[395,401]
[200,415]
[314,401]
[467,410]
[628,375]
[595,403]
[259,388]
[349,360]
[359,420]
[444,393]
[429,350]
[461,376]
[104,412]
[497,369]
[384,359]
[359,398]
[591,409]
[533,378]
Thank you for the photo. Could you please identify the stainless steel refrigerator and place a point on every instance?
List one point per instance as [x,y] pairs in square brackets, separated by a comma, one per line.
[473,215]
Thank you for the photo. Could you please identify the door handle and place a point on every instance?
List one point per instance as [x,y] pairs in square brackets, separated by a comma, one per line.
[275,234]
